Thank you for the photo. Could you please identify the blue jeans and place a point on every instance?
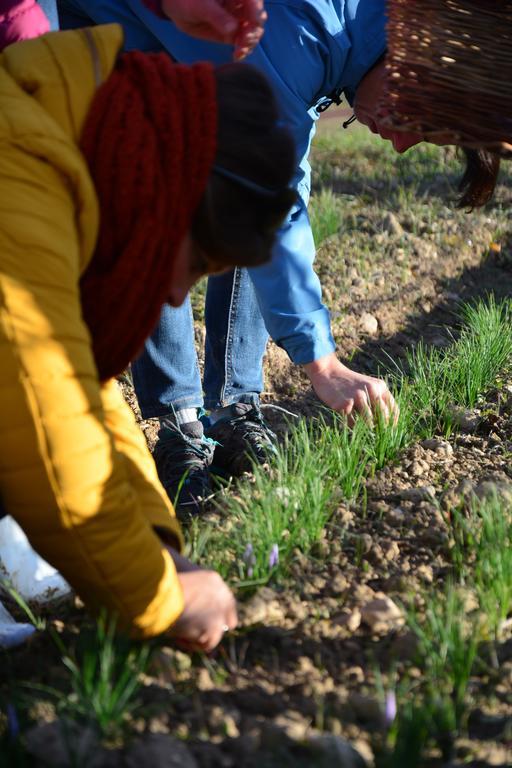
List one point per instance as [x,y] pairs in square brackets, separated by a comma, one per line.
[166,376]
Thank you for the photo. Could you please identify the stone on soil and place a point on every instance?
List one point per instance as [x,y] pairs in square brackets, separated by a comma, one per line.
[391,225]
[262,608]
[415,495]
[465,419]
[437,445]
[381,614]
[64,744]
[499,489]
[329,751]
[369,324]
[159,751]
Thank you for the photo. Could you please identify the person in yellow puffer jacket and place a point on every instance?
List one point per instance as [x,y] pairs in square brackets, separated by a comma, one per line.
[123,179]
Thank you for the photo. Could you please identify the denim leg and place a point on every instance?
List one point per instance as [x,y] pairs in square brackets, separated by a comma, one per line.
[166,375]
[235,341]
[50,9]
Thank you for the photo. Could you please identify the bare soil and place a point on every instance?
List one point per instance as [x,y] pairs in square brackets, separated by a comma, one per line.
[298,681]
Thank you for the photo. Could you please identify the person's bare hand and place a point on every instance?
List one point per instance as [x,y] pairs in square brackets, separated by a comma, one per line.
[236,22]
[349,392]
[210,607]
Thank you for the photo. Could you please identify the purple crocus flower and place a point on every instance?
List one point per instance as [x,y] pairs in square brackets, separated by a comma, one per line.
[273,559]
[390,707]
[249,559]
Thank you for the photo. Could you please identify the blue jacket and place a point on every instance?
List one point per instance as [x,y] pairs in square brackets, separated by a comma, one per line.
[310,48]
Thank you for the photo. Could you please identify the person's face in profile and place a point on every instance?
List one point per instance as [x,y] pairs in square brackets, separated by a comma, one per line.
[189,265]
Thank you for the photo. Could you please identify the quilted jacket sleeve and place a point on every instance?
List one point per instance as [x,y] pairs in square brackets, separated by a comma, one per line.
[74,472]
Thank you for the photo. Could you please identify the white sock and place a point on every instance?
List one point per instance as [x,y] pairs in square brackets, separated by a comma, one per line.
[179,417]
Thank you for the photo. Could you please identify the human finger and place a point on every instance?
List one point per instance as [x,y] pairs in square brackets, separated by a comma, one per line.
[232,617]
[220,20]
[381,410]
[393,407]
[251,12]
[246,40]
[363,405]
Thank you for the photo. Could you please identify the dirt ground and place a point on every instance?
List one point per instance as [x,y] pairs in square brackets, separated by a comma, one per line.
[298,683]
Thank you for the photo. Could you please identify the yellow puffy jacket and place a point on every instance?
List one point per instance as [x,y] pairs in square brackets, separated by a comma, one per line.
[75,471]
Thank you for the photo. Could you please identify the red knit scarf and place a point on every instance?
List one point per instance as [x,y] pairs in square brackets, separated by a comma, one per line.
[150,141]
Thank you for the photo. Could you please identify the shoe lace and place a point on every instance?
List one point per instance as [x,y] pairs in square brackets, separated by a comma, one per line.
[180,453]
[253,424]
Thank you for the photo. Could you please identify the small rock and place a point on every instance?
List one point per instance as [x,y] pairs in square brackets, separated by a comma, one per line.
[465,419]
[417,469]
[293,725]
[327,751]
[369,324]
[204,681]
[363,543]
[425,573]
[391,551]
[159,751]
[63,744]
[438,446]
[395,516]
[460,494]
[338,584]
[421,493]
[381,614]
[499,489]
[434,538]
[391,225]
[223,722]
[355,674]
[366,708]
[262,608]
[349,619]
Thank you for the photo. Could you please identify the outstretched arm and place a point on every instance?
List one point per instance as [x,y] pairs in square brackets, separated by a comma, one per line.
[235,22]
[73,472]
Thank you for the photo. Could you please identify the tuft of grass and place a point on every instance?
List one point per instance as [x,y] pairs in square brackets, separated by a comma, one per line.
[318,465]
[325,215]
[273,512]
[104,675]
[448,638]
[459,374]
[482,557]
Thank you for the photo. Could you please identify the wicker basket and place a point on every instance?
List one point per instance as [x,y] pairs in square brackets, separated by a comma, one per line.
[449,71]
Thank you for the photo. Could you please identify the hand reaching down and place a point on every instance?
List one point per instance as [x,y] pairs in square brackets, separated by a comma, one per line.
[236,22]
[349,392]
[210,607]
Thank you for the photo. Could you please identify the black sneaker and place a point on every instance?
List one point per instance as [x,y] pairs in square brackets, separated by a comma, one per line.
[241,437]
[182,458]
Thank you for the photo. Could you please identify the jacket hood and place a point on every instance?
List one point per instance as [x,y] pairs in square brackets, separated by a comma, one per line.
[364,22]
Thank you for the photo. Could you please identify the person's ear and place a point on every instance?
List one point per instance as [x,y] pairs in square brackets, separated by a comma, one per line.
[182,276]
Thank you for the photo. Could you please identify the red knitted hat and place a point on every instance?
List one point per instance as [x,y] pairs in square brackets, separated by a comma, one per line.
[150,142]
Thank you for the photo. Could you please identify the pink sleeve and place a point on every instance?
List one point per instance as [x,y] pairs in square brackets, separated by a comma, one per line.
[21,20]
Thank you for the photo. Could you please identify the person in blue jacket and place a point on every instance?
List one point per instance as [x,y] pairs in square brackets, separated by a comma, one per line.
[312,51]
